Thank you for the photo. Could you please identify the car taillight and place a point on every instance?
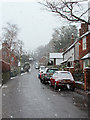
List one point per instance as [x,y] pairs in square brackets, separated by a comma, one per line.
[51,78]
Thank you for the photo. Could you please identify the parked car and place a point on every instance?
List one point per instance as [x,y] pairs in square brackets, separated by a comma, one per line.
[62,80]
[48,74]
[43,74]
[36,66]
[41,70]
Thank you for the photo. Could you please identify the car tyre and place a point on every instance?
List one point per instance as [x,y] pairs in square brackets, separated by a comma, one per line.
[72,89]
[43,81]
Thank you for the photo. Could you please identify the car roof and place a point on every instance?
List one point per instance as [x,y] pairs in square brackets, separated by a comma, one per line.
[62,71]
[42,66]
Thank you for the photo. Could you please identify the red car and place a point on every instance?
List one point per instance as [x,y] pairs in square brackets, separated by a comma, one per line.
[62,80]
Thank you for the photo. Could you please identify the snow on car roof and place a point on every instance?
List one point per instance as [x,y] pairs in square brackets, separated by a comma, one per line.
[63,71]
[64,75]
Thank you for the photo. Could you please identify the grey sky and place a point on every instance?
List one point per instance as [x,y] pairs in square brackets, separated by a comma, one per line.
[36,25]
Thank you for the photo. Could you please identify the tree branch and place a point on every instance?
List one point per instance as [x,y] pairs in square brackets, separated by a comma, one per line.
[65,10]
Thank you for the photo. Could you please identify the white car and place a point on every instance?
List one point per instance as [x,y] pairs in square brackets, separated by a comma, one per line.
[62,79]
[42,69]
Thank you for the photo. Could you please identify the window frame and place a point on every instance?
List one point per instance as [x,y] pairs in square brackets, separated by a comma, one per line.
[84,43]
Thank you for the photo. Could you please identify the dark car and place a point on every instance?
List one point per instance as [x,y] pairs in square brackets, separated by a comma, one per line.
[48,74]
[62,80]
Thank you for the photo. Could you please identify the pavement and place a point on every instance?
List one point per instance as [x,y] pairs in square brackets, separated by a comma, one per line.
[83,92]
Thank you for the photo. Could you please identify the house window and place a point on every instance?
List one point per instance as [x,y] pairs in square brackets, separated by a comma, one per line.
[86,63]
[84,43]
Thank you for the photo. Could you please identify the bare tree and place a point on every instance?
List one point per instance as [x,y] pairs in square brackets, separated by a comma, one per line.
[9,34]
[71,10]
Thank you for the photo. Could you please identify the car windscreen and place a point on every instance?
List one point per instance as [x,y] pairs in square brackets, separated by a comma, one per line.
[65,75]
[42,68]
[52,70]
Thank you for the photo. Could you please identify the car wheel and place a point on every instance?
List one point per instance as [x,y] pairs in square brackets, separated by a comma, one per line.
[72,89]
[55,86]
[43,81]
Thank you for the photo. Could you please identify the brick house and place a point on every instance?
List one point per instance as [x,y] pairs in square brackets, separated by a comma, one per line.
[4,63]
[84,46]
[8,56]
[84,53]
[8,61]
[4,57]
[13,61]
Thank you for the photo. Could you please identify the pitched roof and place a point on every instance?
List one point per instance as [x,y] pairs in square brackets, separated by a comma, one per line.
[72,45]
[56,55]
[85,34]
[76,41]
[86,56]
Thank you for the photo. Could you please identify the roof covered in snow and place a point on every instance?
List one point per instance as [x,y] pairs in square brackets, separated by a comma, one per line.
[86,56]
[56,55]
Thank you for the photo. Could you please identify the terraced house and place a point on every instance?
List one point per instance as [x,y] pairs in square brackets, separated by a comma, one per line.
[5,61]
[84,46]
[8,61]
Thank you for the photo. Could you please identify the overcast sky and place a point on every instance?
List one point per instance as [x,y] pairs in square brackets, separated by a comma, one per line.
[36,25]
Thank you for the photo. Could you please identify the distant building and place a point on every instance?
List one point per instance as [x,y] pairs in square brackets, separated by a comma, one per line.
[57,58]
[43,61]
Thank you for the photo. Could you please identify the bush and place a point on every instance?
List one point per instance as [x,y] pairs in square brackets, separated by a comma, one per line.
[5,77]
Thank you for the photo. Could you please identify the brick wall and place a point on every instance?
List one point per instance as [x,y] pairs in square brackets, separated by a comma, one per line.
[82,52]
[87,50]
